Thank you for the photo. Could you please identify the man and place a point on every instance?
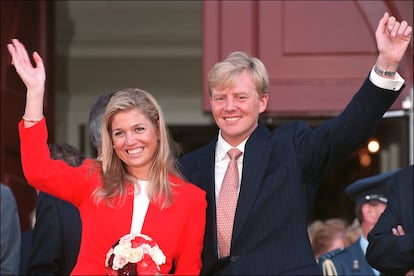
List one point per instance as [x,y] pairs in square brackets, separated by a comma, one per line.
[370,195]
[278,171]
[57,232]
[10,233]
[95,121]
[391,241]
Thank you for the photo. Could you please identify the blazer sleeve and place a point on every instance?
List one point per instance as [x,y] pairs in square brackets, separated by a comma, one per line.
[47,252]
[327,145]
[10,233]
[54,177]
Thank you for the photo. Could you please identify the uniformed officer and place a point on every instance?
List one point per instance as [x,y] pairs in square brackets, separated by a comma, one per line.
[370,196]
[391,241]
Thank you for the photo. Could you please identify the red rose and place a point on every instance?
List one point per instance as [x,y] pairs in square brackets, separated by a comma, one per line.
[146,266]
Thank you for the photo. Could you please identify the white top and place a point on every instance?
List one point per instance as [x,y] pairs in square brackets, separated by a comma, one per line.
[141,203]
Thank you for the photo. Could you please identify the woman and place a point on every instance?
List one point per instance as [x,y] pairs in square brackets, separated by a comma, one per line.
[134,188]
[328,235]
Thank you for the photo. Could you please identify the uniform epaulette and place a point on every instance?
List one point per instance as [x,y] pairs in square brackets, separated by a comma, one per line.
[331,254]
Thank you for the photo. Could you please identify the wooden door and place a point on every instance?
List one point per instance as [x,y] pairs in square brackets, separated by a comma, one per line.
[32,23]
[317,52]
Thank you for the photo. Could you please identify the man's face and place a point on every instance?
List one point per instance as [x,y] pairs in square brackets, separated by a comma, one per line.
[372,211]
[236,109]
[378,209]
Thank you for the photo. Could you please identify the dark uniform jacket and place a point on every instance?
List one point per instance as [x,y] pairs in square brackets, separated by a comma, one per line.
[346,261]
[393,255]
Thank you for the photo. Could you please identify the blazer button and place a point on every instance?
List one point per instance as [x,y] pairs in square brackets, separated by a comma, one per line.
[234,258]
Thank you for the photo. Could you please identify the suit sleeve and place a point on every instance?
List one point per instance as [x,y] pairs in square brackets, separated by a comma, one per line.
[386,252]
[10,234]
[323,148]
[46,256]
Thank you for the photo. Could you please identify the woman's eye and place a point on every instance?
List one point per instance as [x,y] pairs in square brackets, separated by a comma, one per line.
[117,133]
[139,129]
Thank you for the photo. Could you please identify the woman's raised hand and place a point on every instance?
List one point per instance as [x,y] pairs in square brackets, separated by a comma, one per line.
[34,77]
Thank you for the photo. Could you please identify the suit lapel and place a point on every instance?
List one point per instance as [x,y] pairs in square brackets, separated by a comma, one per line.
[205,164]
[205,168]
[256,157]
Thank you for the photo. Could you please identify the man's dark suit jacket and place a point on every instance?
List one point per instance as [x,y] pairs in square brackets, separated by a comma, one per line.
[388,253]
[281,172]
[56,237]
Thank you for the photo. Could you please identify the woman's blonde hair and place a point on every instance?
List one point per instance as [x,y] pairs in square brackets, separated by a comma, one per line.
[114,170]
[223,74]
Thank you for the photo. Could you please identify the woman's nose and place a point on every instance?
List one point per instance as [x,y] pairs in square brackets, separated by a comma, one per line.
[130,139]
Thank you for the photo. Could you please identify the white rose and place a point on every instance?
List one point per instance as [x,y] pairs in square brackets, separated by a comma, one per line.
[146,248]
[145,237]
[119,262]
[135,255]
[157,256]
[127,237]
[121,249]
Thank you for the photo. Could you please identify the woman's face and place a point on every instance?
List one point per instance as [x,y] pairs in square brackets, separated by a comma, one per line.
[135,141]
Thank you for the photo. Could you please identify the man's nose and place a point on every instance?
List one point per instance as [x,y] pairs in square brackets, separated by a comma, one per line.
[230,104]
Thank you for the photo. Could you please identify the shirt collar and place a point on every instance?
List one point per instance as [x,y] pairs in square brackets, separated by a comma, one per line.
[222,147]
[364,243]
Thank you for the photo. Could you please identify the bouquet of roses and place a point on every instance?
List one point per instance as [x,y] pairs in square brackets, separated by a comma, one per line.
[134,254]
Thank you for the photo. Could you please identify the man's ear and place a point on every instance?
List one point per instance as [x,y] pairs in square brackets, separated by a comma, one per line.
[263,102]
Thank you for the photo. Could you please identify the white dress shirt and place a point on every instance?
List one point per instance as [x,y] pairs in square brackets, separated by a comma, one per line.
[222,160]
[390,84]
